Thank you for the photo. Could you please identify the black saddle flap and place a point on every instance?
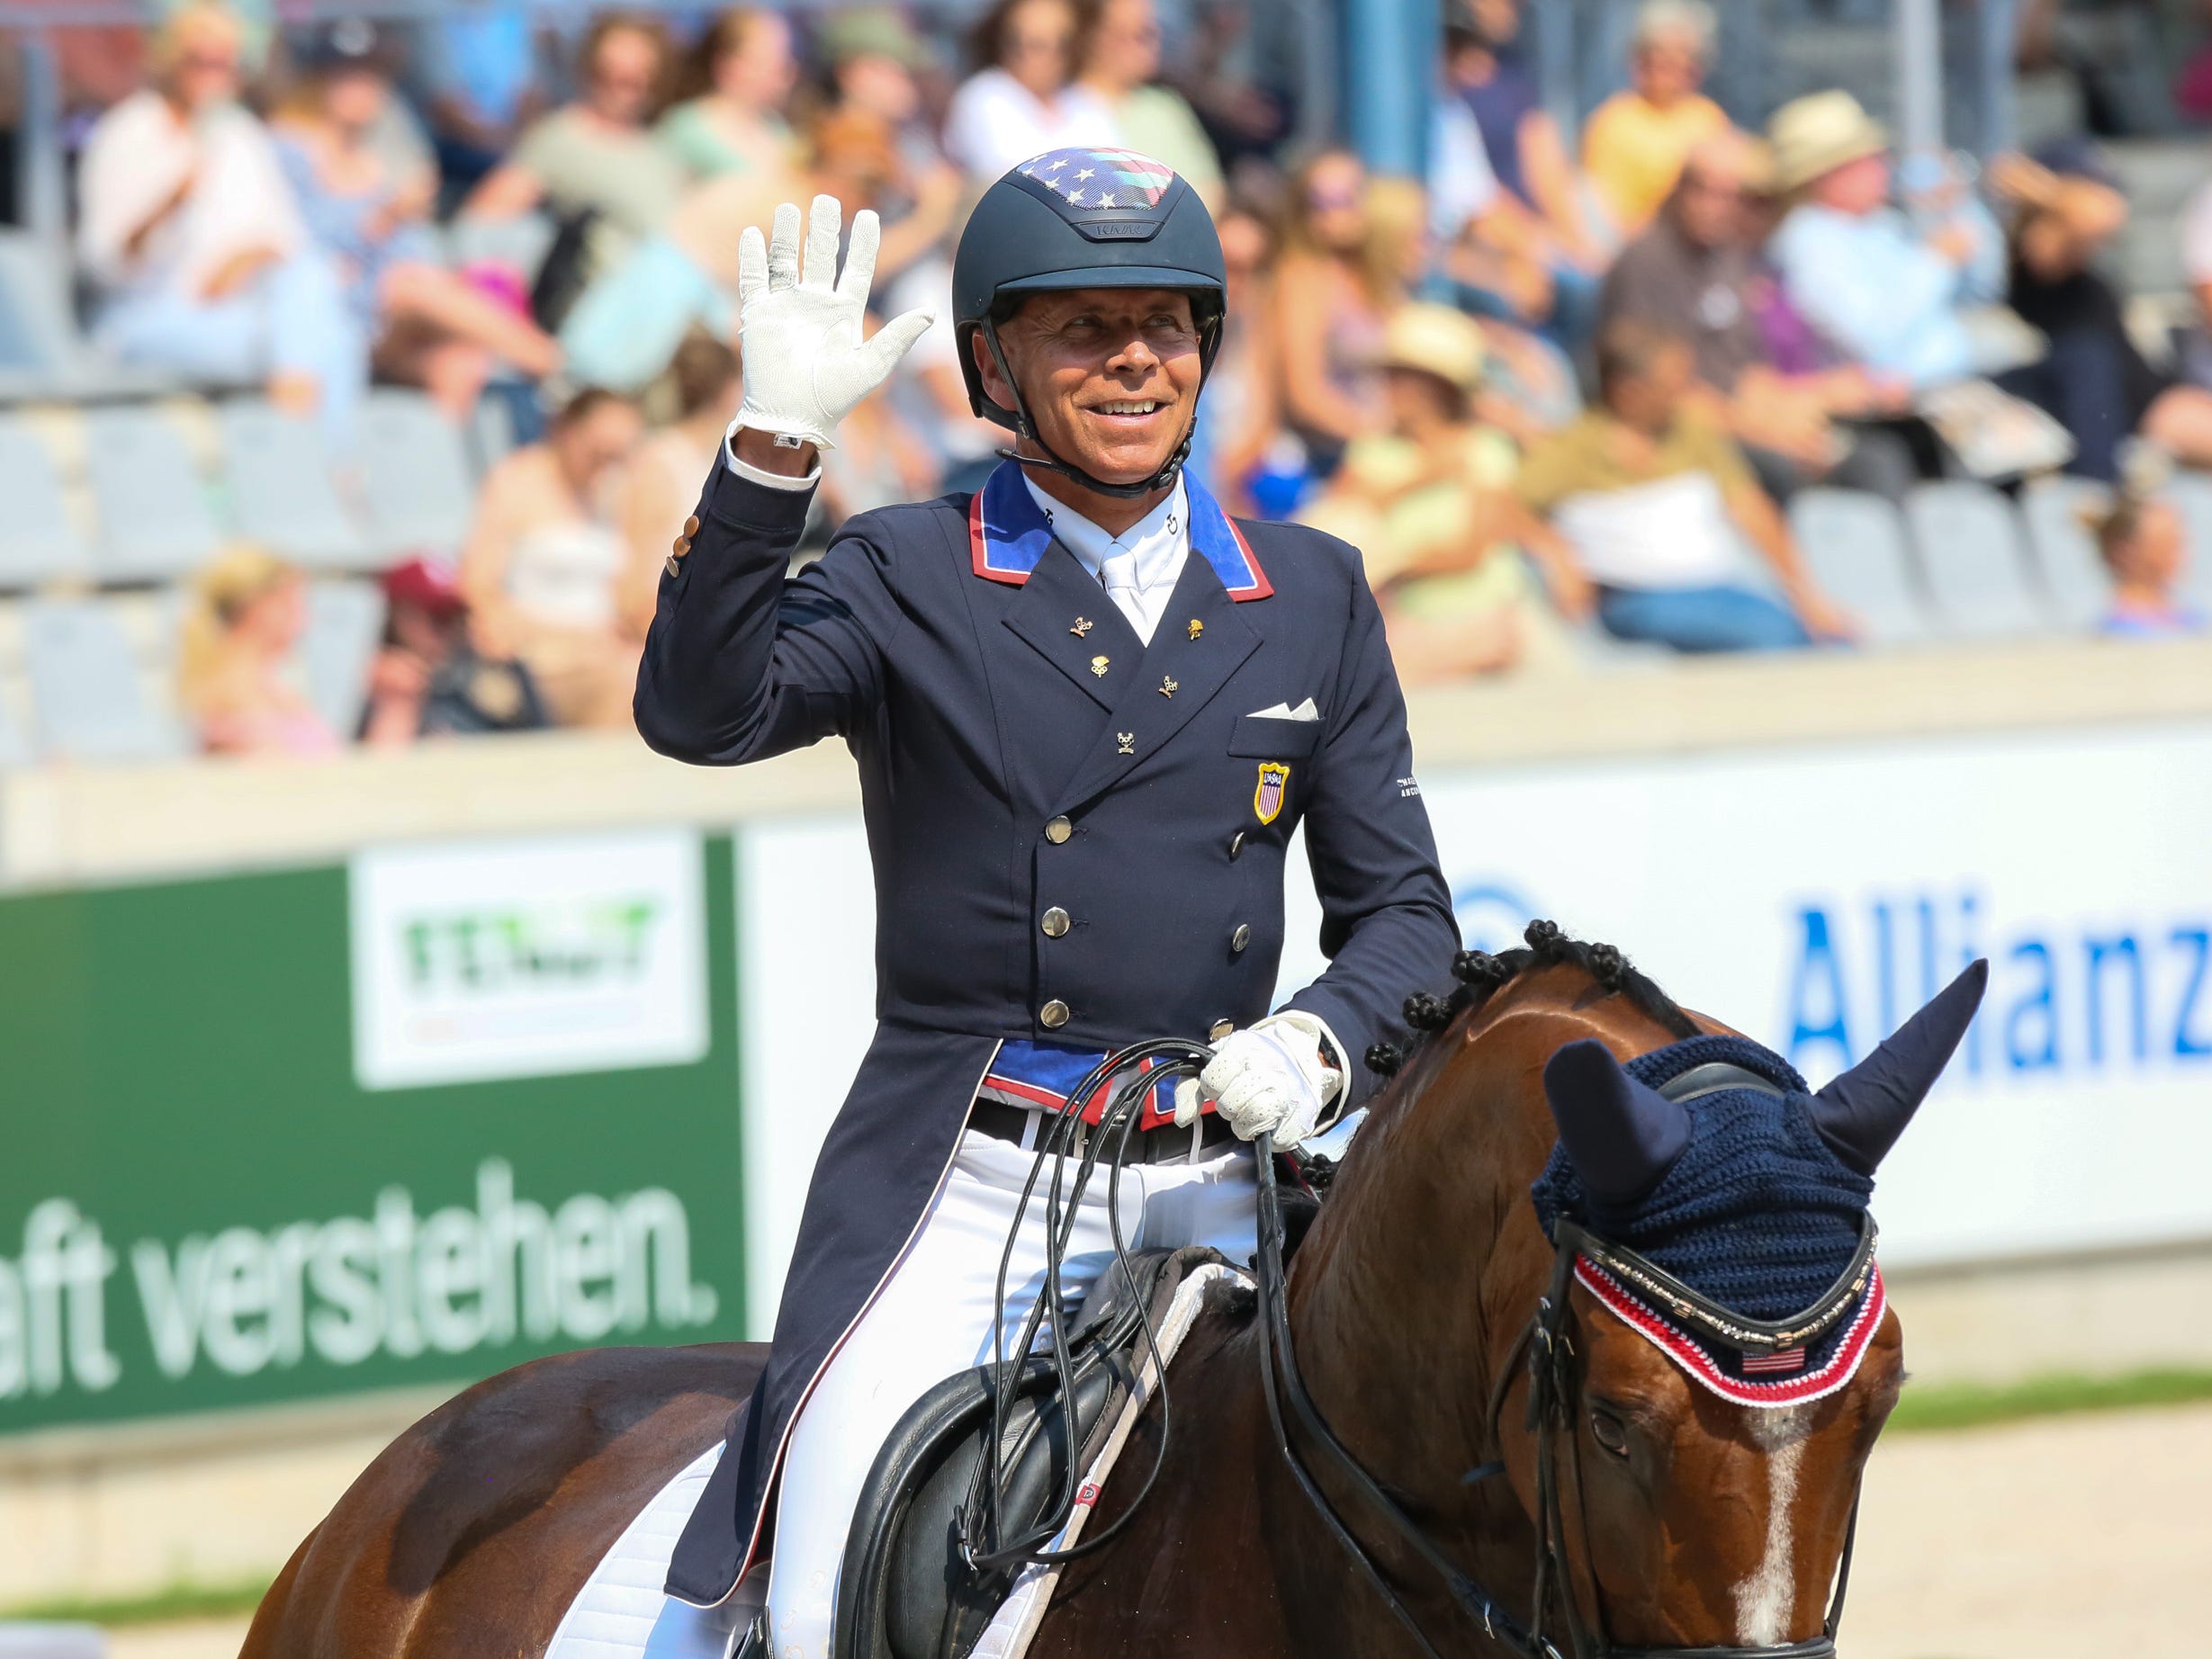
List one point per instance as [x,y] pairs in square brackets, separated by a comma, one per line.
[906,1589]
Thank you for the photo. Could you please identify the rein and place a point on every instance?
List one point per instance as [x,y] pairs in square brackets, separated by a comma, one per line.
[1553,1396]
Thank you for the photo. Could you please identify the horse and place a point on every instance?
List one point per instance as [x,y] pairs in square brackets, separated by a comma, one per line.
[1497,1442]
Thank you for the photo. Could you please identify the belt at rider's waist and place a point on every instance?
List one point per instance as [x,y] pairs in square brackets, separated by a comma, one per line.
[1025,1126]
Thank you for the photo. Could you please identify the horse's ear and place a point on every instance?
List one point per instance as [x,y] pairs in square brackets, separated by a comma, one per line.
[1621,1135]
[1863,1112]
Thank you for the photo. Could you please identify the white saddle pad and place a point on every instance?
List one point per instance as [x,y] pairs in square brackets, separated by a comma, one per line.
[621,1613]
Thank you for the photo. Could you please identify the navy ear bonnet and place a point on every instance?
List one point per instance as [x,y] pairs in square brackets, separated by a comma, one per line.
[1755,1213]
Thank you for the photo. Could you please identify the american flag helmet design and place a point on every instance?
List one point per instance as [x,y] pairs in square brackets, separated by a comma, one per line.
[1100,178]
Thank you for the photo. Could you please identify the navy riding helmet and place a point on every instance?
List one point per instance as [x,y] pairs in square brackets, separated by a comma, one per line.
[1082,218]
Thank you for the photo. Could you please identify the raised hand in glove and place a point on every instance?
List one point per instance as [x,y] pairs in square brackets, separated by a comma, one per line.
[1269,1077]
[799,325]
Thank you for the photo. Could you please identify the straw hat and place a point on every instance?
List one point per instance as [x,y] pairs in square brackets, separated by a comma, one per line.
[1436,340]
[1813,136]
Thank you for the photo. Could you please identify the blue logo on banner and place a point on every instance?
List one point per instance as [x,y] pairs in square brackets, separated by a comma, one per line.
[2064,997]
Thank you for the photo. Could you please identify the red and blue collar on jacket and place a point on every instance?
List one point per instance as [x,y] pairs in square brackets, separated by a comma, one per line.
[1007,534]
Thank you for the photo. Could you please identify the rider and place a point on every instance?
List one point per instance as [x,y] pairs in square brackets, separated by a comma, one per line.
[1089,711]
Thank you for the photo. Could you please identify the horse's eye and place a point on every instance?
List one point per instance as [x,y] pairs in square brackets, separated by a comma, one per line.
[1610,1432]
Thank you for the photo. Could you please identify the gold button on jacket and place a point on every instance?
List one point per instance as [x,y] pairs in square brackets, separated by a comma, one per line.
[1052,1015]
[1054,922]
[1057,830]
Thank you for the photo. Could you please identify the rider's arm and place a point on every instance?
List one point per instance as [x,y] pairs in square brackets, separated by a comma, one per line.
[1386,923]
[741,664]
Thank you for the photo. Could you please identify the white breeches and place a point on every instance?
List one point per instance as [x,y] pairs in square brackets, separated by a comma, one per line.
[933,1318]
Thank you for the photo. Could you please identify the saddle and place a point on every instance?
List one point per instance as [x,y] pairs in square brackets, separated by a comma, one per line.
[907,1590]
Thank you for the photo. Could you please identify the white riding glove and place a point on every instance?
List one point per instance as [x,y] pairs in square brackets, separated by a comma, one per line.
[806,365]
[1271,1076]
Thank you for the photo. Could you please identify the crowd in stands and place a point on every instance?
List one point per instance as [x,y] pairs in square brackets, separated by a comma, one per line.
[1562,391]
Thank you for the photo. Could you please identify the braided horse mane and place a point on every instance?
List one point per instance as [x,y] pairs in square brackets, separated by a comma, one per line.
[1478,973]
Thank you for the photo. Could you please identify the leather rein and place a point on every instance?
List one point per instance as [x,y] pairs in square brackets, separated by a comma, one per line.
[1553,1397]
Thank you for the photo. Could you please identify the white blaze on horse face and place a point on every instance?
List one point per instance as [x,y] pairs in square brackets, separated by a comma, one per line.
[1765,1600]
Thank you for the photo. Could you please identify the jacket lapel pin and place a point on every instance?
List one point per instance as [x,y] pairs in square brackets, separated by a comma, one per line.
[1099,664]
[1128,739]
[1083,625]
[1196,627]
[1167,686]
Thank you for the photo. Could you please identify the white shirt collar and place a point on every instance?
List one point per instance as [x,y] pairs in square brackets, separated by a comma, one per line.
[1161,539]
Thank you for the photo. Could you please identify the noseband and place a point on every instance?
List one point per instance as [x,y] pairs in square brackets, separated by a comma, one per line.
[1553,1400]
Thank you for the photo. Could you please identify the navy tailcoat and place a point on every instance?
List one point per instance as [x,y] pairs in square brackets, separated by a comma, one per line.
[1021,749]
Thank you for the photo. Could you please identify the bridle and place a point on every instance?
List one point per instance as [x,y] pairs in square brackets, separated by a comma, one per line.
[1554,1395]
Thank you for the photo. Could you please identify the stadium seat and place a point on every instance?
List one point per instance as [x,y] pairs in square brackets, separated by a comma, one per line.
[37,540]
[1854,543]
[2191,492]
[1968,539]
[2065,554]
[280,490]
[345,621]
[85,689]
[415,463]
[43,353]
[155,521]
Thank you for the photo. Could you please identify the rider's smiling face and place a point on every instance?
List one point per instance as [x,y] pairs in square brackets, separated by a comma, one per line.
[1108,375]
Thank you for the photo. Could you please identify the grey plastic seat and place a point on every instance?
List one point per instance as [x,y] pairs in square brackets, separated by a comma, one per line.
[2074,579]
[1968,539]
[2191,492]
[155,521]
[43,353]
[85,686]
[281,489]
[415,463]
[38,540]
[1856,545]
[345,621]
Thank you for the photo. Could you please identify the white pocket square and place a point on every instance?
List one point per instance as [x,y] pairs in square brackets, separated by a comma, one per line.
[1283,711]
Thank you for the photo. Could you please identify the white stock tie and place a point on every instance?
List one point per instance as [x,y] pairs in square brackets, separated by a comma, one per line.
[1118,572]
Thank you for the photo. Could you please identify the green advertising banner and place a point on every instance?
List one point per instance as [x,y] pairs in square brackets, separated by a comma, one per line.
[281,1135]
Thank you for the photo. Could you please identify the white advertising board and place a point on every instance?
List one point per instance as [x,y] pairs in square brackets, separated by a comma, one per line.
[1811,897]
[489,959]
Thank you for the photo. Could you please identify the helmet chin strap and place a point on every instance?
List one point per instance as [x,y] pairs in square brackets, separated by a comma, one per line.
[1024,427]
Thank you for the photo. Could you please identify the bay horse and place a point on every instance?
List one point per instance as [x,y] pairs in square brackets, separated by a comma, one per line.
[1684,1521]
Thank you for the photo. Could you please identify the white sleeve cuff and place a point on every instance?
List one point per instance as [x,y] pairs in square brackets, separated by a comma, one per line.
[760,475]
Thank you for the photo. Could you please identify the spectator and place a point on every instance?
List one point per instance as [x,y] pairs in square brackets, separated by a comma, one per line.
[1431,505]
[237,667]
[1329,306]
[595,157]
[624,328]
[192,237]
[546,566]
[731,120]
[661,484]
[480,79]
[1237,418]
[1522,143]
[1891,291]
[1022,101]
[929,389]
[1121,69]
[2095,382]
[2146,547]
[1695,272]
[1222,70]
[427,680]
[431,327]
[1636,141]
[1650,494]
[873,56]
